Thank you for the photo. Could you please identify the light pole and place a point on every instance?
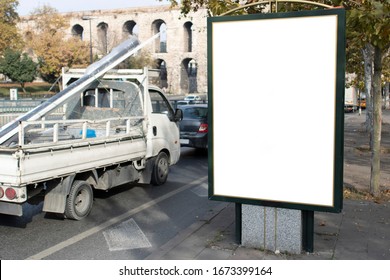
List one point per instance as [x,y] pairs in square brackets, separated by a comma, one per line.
[89,18]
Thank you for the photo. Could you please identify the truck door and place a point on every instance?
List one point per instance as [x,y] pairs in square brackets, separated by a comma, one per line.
[165,129]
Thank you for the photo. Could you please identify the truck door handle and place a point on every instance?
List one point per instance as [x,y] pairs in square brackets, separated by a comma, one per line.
[154,130]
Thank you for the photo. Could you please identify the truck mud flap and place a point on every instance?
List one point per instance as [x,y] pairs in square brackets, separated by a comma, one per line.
[55,199]
[11,209]
[146,174]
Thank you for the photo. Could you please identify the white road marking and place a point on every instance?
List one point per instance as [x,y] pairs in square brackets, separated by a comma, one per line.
[126,236]
[113,221]
[201,190]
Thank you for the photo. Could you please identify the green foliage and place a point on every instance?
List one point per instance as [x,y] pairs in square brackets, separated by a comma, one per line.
[18,67]
[368,22]
[214,7]
[9,36]
[50,45]
[8,12]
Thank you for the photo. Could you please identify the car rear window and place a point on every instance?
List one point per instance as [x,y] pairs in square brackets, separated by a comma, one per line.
[195,113]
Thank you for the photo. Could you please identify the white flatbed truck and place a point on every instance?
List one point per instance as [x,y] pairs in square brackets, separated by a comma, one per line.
[351,99]
[105,129]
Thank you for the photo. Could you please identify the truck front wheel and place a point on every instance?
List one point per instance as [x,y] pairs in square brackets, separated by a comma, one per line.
[160,169]
[79,201]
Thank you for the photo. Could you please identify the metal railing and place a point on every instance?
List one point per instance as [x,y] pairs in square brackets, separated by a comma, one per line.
[7,117]
[19,106]
[53,128]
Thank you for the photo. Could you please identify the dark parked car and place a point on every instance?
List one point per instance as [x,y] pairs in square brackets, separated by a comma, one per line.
[194,126]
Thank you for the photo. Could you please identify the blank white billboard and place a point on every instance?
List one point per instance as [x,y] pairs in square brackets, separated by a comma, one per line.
[275,104]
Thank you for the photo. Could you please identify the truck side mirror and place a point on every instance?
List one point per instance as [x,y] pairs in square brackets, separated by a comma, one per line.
[178,115]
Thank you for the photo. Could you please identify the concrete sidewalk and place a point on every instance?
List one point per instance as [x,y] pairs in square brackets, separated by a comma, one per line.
[360,232]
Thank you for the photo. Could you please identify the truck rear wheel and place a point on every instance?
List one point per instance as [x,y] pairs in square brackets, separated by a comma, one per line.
[79,201]
[160,169]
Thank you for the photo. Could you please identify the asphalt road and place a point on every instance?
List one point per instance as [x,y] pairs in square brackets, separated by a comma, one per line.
[125,223]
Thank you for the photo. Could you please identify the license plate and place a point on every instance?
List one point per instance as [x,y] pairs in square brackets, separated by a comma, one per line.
[184,141]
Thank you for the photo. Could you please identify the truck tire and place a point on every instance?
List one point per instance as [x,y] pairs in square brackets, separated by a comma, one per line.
[160,169]
[79,201]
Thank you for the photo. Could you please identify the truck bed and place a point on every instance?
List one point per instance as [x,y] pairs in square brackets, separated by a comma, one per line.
[51,153]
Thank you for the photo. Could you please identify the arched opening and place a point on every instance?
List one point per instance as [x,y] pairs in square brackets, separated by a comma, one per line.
[188,77]
[188,36]
[160,43]
[130,28]
[28,37]
[77,31]
[102,31]
[163,77]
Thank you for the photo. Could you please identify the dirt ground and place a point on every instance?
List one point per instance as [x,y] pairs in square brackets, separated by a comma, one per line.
[357,157]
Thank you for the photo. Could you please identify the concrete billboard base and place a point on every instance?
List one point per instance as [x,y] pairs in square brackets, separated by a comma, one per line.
[273,229]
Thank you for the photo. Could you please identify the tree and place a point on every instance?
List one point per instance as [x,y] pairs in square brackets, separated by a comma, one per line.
[107,39]
[386,75]
[18,67]
[368,21]
[51,46]
[9,36]
[214,7]
[140,60]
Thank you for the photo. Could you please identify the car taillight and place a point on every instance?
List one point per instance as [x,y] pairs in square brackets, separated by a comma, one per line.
[1,192]
[10,193]
[203,128]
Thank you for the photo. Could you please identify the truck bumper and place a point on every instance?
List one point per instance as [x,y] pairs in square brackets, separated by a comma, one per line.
[11,209]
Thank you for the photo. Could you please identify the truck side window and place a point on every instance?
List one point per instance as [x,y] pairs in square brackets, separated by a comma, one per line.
[89,99]
[160,104]
[103,96]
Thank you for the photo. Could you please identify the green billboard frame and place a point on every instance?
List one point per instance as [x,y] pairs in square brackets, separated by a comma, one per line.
[247,67]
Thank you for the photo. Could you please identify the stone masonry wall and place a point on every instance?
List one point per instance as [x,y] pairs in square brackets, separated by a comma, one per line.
[145,18]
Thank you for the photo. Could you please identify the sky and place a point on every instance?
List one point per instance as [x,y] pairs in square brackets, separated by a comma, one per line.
[27,6]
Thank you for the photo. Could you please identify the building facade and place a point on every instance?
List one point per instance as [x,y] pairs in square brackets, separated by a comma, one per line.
[180,53]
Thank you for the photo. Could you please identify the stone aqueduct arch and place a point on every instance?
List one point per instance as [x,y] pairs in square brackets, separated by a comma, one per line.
[180,54]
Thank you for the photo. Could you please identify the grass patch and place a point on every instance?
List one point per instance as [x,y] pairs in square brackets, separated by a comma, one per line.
[32,89]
